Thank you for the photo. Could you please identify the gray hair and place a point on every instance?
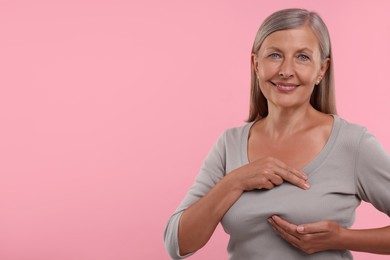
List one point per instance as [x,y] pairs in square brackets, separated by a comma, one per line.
[323,96]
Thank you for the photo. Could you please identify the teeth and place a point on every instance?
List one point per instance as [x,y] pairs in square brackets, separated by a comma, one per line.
[285,87]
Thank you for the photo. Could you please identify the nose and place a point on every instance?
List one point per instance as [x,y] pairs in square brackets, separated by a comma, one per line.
[286,69]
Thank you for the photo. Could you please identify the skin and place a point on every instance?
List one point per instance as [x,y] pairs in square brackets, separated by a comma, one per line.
[286,58]
[293,57]
[289,57]
[328,235]
[199,221]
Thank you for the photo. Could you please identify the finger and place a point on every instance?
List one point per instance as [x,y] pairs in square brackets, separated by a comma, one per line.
[298,173]
[275,179]
[266,185]
[292,177]
[318,227]
[286,233]
[283,223]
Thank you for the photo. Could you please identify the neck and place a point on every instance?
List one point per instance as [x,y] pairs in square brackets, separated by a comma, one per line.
[281,123]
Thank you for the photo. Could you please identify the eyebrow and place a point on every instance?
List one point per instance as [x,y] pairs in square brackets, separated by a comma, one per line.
[305,49]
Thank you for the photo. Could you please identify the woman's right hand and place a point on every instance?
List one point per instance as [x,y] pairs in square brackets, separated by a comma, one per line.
[266,173]
[198,222]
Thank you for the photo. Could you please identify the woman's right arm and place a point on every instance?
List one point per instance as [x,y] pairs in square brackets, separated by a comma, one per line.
[198,222]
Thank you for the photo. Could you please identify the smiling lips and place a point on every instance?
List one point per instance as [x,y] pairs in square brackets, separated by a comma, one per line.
[285,87]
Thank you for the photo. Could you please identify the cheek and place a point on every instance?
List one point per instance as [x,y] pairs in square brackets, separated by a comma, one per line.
[311,78]
[308,76]
[265,72]
[263,77]
[264,87]
[266,67]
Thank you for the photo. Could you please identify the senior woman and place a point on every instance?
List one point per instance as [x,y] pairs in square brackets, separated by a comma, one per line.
[286,184]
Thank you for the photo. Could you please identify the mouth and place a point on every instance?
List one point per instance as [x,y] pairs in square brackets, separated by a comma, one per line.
[284,86]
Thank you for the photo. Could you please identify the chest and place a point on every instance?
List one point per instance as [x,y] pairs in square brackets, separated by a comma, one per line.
[297,152]
[331,197]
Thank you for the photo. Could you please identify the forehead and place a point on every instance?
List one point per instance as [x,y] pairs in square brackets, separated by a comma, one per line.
[298,38]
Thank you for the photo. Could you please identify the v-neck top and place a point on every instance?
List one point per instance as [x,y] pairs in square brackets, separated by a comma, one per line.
[352,166]
[311,165]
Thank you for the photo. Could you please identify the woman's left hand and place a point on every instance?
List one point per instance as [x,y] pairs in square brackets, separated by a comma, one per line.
[310,238]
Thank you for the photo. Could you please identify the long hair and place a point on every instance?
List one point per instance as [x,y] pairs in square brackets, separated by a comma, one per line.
[323,96]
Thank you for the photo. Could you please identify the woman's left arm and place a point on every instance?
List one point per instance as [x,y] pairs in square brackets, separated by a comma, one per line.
[328,235]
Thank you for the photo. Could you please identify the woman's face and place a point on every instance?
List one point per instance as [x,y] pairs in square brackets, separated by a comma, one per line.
[288,65]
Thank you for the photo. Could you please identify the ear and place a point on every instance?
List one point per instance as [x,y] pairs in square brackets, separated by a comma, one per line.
[324,67]
[255,63]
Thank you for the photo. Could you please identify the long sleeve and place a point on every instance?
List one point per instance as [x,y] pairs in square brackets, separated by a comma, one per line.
[352,166]
[373,173]
[213,169]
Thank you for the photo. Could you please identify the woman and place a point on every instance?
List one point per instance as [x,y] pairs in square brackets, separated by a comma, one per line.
[286,185]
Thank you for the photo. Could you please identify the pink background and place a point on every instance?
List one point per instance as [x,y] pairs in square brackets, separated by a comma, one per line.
[107,109]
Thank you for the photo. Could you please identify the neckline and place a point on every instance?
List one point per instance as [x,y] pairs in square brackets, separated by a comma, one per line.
[312,165]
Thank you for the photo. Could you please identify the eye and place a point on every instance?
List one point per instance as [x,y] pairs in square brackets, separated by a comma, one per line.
[274,55]
[303,57]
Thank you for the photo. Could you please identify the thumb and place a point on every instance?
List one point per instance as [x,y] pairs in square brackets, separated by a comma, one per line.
[317,227]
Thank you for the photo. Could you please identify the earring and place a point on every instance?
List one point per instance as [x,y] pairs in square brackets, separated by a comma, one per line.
[319,80]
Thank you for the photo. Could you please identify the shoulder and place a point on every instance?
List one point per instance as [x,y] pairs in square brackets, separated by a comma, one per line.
[355,137]
[229,143]
[346,136]
[349,129]
[237,133]
[350,125]
[234,137]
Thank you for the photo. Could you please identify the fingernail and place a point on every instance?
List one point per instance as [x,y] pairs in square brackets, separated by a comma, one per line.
[307,186]
[300,229]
